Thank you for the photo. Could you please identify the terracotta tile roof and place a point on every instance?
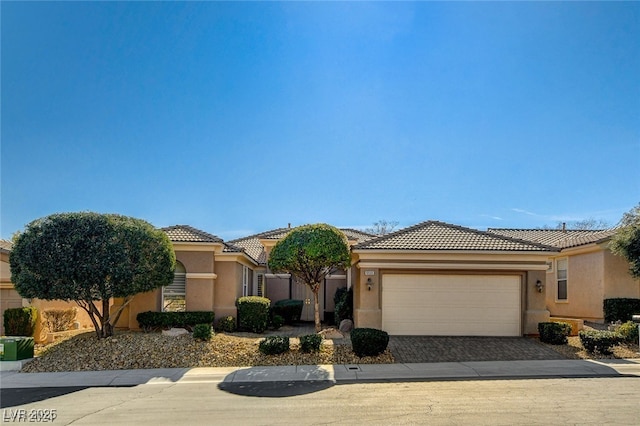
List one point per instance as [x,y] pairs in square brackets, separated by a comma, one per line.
[434,235]
[557,237]
[255,249]
[5,246]
[188,234]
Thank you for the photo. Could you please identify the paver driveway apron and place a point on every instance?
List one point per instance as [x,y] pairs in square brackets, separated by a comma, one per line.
[416,349]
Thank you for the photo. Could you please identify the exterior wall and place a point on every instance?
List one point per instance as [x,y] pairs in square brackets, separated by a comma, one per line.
[82,317]
[9,299]
[227,288]
[277,289]
[617,280]
[367,310]
[534,305]
[585,287]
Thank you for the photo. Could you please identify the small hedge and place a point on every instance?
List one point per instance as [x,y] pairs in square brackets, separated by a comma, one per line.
[310,343]
[202,332]
[369,341]
[289,309]
[226,324]
[620,309]
[150,321]
[276,322]
[253,313]
[274,345]
[599,340]
[555,333]
[20,321]
[629,332]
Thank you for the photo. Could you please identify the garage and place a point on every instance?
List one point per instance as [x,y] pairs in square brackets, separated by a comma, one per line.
[451,304]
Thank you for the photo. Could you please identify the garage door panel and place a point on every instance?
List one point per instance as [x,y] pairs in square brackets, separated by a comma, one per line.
[465,305]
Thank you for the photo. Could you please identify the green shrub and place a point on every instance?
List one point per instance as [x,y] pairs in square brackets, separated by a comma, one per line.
[555,333]
[629,332]
[620,309]
[59,319]
[599,341]
[276,322]
[343,300]
[289,309]
[227,324]
[202,332]
[150,321]
[369,341]
[20,321]
[253,313]
[274,345]
[310,343]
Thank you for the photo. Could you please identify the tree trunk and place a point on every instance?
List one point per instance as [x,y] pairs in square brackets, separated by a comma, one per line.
[316,308]
[107,327]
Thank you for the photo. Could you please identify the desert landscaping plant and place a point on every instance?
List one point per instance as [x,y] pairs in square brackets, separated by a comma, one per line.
[309,253]
[226,324]
[620,309]
[626,241]
[629,332]
[91,258]
[599,340]
[555,333]
[274,345]
[369,341]
[310,343]
[202,332]
[276,322]
[289,309]
[343,300]
[20,321]
[56,319]
[253,313]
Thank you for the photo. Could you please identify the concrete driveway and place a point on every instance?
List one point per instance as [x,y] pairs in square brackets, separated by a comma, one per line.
[410,349]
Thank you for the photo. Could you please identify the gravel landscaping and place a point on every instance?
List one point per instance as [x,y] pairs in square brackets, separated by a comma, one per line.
[132,350]
[574,350]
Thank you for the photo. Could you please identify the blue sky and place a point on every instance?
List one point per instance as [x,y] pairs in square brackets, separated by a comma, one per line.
[237,118]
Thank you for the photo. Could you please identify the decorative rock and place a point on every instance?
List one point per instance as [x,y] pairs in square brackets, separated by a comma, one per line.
[346,325]
[331,333]
[174,332]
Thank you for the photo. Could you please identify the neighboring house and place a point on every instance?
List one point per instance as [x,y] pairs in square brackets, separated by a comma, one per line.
[9,297]
[582,273]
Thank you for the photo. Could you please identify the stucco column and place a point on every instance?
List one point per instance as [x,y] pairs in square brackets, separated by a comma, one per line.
[535,307]
[367,299]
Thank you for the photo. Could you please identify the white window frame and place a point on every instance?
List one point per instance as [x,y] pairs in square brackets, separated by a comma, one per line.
[245,280]
[565,279]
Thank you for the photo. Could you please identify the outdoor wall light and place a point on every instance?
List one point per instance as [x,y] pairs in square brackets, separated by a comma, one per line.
[539,286]
[369,283]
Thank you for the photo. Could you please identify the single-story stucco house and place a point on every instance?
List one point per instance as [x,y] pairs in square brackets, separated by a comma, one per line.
[433,278]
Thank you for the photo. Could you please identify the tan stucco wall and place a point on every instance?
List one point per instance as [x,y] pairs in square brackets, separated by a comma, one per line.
[617,280]
[367,310]
[585,287]
[277,289]
[534,305]
[196,261]
[227,288]
[5,270]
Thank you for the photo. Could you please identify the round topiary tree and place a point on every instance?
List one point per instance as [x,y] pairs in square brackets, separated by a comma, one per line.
[90,258]
[309,253]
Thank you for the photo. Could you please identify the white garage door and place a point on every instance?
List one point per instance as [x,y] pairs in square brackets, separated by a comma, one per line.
[451,305]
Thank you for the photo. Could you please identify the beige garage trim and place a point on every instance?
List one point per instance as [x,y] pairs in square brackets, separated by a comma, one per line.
[451,305]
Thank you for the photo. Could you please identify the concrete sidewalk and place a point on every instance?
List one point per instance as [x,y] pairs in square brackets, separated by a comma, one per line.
[330,373]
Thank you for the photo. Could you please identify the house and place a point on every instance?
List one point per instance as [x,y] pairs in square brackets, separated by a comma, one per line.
[433,278]
[9,297]
[582,273]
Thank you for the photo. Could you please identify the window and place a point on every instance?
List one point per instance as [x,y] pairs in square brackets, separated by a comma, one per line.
[245,281]
[561,275]
[260,291]
[174,295]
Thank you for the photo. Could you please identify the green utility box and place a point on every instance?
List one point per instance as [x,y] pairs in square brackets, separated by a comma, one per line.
[16,348]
